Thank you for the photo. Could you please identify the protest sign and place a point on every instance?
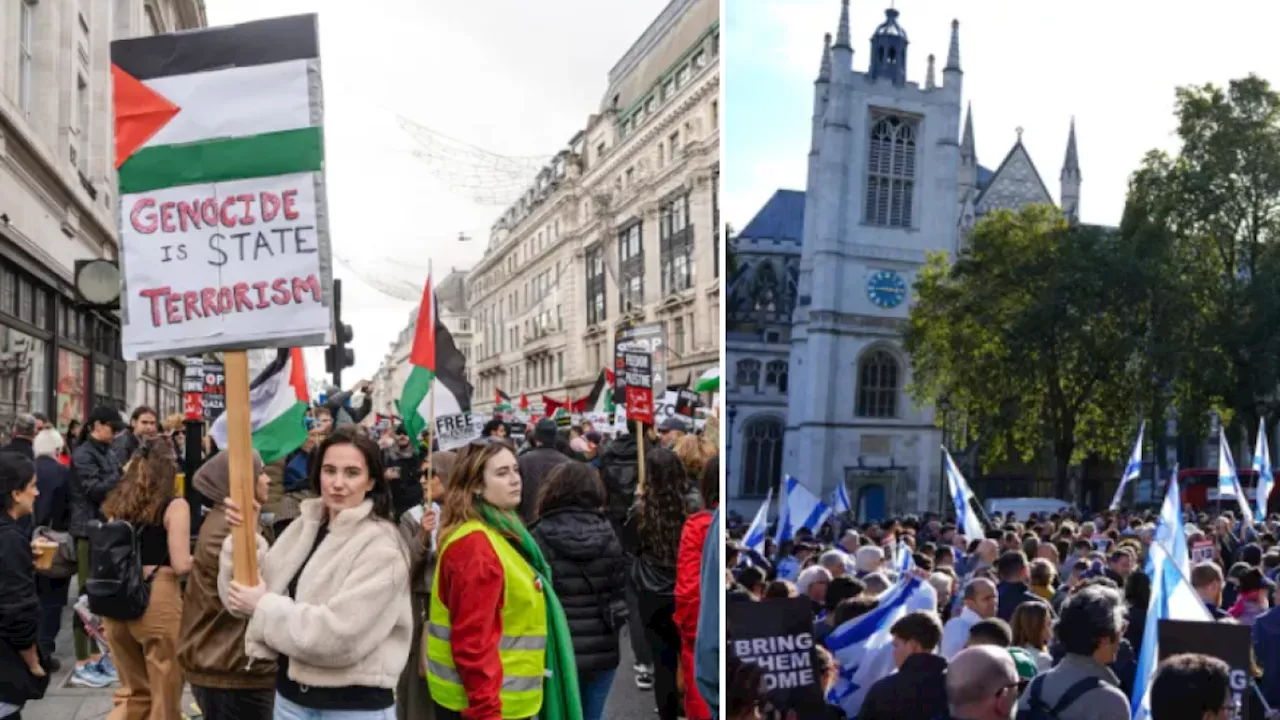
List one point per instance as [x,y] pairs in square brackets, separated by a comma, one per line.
[220,158]
[778,636]
[1229,643]
[457,429]
[1201,551]
[650,338]
[215,390]
[685,401]
[638,369]
[193,391]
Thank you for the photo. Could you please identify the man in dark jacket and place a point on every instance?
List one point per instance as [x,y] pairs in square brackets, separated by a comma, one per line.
[402,463]
[142,423]
[52,510]
[94,473]
[1013,589]
[24,431]
[619,472]
[534,466]
[918,690]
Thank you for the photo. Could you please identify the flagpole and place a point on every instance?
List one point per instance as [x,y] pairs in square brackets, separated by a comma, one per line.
[431,397]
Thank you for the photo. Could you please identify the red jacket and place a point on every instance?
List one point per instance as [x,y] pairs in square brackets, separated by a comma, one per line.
[471,584]
[688,602]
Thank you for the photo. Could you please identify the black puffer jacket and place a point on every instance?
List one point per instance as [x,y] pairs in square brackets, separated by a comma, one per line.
[589,573]
[620,472]
[19,614]
[94,473]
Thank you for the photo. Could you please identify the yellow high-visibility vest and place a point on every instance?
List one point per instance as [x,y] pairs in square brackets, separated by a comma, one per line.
[522,648]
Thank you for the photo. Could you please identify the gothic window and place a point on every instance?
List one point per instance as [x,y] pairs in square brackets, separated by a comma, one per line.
[748,375]
[891,171]
[878,386]
[775,375]
[762,455]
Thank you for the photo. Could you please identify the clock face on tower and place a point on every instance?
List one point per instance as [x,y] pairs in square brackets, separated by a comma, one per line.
[886,289]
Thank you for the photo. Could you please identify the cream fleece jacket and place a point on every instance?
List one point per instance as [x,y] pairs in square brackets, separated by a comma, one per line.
[352,622]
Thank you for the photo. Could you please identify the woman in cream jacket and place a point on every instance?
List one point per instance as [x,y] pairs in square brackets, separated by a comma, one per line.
[332,606]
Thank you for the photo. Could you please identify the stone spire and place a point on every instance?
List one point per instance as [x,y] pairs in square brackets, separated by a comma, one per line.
[824,70]
[929,83]
[1070,178]
[1071,164]
[967,150]
[953,52]
[842,33]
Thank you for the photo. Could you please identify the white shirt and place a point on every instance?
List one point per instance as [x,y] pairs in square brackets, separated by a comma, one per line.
[955,634]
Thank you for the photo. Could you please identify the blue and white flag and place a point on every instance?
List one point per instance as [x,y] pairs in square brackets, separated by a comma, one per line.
[754,539]
[1170,532]
[903,560]
[1262,466]
[840,499]
[1172,598]
[859,643]
[961,496]
[1229,481]
[799,508]
[1132,470]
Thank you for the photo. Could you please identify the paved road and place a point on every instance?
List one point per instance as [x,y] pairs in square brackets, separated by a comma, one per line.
[626,701]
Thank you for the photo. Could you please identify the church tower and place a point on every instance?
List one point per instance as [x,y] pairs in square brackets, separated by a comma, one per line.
[883,185]
[1070,178]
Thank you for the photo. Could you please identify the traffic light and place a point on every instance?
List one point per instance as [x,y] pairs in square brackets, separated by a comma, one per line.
[338,355]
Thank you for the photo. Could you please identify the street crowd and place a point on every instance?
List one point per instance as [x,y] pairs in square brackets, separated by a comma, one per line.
[1041,618]
[397,580]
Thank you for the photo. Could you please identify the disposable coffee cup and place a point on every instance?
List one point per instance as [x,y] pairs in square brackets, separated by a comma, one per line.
[44,552]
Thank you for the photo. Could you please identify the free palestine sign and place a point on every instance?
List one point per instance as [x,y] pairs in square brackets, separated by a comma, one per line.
[220,157]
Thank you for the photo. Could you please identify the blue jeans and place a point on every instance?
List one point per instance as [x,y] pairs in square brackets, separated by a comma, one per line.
[594,688]
[286,710]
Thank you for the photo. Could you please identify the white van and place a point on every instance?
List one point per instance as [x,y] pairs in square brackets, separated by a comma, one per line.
[1023,507]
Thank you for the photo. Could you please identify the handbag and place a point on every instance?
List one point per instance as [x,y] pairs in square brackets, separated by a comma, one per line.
[650,578]
[65,561]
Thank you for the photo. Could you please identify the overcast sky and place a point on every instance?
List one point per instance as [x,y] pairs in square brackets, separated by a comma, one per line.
[514,77]
[1113,65]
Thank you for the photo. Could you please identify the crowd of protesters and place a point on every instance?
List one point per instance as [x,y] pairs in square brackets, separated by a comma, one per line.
[396,580]
[1041,618]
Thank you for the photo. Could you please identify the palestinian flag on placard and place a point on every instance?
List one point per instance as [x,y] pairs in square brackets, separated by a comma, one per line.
[278,402]
[600,400]
[437,368]
[227,103]
[501,400]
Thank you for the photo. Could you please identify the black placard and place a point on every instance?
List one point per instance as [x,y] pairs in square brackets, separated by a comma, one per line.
[778,636]
[1228,642]
[215,391]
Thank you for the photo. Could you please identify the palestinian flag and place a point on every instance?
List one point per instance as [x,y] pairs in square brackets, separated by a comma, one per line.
[501,400]
[278,400]
[227,103]
[438,371]
[601,398]
[524,402]
[709,382]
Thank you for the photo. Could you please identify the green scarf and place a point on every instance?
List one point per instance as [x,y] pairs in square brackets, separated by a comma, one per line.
[561,699]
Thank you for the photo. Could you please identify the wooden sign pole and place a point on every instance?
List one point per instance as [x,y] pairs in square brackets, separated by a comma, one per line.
[244,543]
[640,458]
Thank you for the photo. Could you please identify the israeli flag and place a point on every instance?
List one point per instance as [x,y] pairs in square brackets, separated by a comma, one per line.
[1262,465]
[1229,482]
[840,499]
[1172,598]
[860,644]
[1132,470]
[754,539]
[966,520]
[800,509]
[903,562]
[1170,532]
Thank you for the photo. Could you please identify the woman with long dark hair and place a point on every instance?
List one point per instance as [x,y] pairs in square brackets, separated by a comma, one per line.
[332,607]
[25,677]
[145,650]
[498,644]
[654,526]
[588,574]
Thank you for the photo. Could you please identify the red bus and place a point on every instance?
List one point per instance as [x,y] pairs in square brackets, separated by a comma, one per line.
[1200,487]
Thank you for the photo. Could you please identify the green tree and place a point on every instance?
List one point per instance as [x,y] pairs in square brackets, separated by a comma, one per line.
[1031,334]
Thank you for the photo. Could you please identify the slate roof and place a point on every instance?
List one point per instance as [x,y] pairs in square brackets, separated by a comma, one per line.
[781,218]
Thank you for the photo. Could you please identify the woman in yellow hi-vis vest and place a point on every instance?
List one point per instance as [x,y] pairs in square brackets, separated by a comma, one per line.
[497,642]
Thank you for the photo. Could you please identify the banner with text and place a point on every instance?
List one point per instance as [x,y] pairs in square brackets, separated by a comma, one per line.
[1229,643]
[455,431]
[778,636]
